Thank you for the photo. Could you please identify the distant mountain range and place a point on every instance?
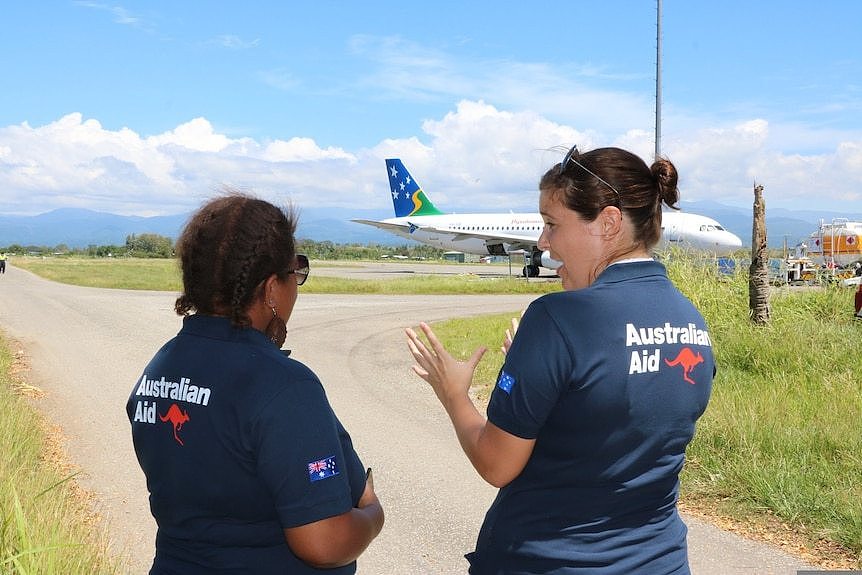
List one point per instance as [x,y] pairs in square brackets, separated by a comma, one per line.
[79,228]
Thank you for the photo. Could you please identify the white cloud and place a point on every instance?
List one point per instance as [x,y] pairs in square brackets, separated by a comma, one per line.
[196,135]
[301,149]
[120,14]
[477,157]
[234,42]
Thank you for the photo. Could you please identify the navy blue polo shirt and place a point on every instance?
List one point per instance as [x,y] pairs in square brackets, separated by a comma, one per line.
[237,442]
[609,380]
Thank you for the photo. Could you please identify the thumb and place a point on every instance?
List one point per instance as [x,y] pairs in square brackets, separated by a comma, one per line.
[476,357]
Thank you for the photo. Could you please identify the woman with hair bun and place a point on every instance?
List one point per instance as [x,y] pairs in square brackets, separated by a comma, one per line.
[600,390]
[249,470]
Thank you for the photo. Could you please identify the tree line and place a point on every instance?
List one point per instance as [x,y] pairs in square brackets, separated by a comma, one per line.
[158,246]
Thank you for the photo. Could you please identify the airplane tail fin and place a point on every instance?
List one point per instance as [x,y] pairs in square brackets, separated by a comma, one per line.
[407,197]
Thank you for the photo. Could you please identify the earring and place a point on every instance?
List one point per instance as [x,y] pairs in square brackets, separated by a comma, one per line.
[276,330]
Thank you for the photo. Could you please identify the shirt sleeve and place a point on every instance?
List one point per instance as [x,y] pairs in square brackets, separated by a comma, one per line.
[303,457]
[537,370]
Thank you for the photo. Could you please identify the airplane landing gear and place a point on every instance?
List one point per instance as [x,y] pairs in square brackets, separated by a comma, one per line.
[531,271]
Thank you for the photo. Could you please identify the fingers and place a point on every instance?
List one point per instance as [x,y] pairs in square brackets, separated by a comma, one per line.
[432,339]
[421,354]
[510,335]
[420,372]
[433,362]
[417,346]
[369,497]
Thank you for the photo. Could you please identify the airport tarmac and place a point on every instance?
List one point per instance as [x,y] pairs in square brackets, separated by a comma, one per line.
[87,348]
[383,269]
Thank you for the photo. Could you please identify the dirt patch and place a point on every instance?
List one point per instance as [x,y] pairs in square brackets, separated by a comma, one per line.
[770,529]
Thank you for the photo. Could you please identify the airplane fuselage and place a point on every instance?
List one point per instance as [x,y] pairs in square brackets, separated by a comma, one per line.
[498,234]
[697,233]
[471,233]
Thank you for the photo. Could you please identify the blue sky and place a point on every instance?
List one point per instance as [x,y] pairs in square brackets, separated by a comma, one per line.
[149,107]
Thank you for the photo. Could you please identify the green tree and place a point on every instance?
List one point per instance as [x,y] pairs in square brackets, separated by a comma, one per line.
[149,246]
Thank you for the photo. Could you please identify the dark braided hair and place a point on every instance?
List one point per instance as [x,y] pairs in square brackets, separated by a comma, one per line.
[226,251]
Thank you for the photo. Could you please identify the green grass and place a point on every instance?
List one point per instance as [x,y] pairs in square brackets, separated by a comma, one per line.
[782,436]
[121,273]
[44,527]
[164,274]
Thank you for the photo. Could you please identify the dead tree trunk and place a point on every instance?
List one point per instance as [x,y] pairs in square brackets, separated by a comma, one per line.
[758,272]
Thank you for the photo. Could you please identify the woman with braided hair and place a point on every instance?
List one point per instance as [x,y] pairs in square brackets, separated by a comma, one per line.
[249,470]
[602,384]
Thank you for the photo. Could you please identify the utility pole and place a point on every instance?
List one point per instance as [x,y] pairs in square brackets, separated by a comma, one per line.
[658,81]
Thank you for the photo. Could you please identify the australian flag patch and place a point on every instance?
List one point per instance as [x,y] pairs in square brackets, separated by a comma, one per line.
[505,382]
[322,468]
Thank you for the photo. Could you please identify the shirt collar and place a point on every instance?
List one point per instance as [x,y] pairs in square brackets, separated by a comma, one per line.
[215,327]
[630,269]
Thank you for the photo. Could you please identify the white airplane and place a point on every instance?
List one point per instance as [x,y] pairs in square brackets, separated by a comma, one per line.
[416,218]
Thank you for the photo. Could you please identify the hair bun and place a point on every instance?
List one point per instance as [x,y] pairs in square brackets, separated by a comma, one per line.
[665,176]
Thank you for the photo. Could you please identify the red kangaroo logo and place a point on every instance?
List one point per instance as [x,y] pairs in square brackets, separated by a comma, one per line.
[687,359]
[177,417]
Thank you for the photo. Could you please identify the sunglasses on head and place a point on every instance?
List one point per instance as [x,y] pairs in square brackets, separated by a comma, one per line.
[301,270]
[569,160]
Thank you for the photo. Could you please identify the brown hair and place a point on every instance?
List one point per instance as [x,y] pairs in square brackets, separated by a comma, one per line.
[640,190]
[227,249]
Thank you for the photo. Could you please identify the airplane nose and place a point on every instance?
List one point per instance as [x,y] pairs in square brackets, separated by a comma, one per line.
[733,240]
[728,243]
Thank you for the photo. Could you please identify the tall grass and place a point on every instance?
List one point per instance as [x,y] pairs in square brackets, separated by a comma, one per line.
[782,436]
[783,431]
[44,526]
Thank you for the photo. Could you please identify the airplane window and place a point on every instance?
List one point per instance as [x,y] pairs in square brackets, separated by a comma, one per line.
[719,228]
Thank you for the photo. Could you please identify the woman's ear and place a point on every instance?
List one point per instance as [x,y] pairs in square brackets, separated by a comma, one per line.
[269,289]
[611,219]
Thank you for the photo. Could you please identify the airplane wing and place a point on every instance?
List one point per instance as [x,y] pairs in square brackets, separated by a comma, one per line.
[515,242]
[490,237]
[388,226]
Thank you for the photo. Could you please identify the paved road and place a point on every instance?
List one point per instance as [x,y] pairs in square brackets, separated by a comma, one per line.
[87,347]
